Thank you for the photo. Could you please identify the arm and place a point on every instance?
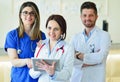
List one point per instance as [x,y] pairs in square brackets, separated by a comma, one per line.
[67,63]
[80,56]
[100,54]
[16,61]
[34,74]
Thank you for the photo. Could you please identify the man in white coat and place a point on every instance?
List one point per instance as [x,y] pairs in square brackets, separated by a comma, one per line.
[91,46]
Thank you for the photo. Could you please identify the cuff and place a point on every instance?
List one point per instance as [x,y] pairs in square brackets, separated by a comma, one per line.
[52,76]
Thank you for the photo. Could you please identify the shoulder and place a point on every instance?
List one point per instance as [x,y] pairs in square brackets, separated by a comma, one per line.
[43,35]
[104,35]
[102,32]
[67,45]
[76,37]
[12,33]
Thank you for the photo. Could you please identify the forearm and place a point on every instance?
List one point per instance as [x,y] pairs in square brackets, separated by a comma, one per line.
[19,62]
[65,76]
[80,56]
[34,74]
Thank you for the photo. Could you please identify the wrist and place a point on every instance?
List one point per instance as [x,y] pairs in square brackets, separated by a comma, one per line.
[51,75]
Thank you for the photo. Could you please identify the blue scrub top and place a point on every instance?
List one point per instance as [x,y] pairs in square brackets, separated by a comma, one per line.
[27,47]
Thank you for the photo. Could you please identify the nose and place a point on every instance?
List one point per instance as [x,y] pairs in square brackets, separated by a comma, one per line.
[87,17]
[51,31]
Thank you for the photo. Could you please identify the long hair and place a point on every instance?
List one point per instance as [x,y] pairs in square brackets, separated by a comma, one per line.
[35,31]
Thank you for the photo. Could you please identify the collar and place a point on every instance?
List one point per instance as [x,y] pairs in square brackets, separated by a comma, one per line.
[59,43]
[91,32]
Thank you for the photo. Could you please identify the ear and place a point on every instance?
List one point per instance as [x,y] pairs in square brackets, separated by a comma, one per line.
[80,16]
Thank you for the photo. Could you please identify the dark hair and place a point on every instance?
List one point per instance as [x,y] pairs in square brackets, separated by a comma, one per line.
[89,5]
[62,23]
[35,31]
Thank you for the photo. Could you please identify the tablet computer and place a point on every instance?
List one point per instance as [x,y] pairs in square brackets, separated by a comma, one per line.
[48,61]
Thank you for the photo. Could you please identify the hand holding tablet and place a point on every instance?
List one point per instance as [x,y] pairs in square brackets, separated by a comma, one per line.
[48,61]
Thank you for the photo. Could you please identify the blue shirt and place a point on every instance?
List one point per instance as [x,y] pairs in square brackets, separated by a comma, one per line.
[89,35]
[27,47]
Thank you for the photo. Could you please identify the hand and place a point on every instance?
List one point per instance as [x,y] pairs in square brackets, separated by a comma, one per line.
[86,65]
[50,69]
[79,56]
[29,63]
[39,43]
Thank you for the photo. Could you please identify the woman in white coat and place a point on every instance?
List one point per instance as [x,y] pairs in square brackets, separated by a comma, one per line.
[54,48]
[92,46]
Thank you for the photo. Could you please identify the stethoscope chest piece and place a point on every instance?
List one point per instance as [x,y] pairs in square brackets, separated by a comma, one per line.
[19,51]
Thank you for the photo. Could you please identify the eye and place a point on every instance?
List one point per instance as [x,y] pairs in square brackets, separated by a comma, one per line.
[56,29]
[25,12]
[84,15]
[32,13]
[49,28]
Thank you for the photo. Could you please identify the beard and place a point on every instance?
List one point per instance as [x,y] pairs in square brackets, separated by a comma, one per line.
[89,24]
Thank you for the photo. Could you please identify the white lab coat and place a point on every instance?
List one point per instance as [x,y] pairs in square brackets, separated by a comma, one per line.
[99,42]
[66,62]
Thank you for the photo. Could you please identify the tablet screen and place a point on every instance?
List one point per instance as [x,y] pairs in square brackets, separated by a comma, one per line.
[48,61]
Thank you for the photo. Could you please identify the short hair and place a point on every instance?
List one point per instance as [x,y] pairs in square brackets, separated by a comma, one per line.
[89,5]
[61,21]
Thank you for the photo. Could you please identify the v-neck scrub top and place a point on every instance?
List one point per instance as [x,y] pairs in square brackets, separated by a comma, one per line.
[27,47]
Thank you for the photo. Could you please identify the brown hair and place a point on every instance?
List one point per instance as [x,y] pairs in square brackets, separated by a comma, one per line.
[62,23]
[35,32]
[89,5]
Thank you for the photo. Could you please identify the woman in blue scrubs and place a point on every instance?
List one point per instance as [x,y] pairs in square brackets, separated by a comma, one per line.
[21,42]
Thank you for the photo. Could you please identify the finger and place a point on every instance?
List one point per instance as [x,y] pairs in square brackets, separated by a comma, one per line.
[53,64]
[43,62]
[39,43]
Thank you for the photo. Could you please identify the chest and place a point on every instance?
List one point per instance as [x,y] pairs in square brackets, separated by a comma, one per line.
[45,52]
[92,45]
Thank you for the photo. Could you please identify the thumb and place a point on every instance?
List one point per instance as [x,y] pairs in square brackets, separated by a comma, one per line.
[53,64]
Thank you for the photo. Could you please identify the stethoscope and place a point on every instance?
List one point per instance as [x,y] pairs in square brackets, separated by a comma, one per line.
[61,48]
[19,51]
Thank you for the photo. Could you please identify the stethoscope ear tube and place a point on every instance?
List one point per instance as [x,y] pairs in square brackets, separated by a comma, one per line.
[18,43]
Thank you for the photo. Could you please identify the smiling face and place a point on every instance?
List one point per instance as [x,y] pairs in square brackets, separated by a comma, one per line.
[53,30]
[88,17]
[28,16]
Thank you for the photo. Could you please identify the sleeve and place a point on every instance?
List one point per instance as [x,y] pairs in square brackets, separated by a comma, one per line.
[43,35]
[67,63]
[101,55]
[73,42]
[34,74]
[11,40]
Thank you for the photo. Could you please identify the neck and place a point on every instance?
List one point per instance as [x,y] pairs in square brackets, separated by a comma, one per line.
[52,44]
[87,30]
[27,29]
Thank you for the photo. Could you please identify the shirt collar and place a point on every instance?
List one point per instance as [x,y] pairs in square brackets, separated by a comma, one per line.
[91,32]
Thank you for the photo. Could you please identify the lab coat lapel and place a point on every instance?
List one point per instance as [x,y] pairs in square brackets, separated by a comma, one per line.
[57,52]
[91,39]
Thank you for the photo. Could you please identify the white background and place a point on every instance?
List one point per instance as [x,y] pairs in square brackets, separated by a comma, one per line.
[70,9]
